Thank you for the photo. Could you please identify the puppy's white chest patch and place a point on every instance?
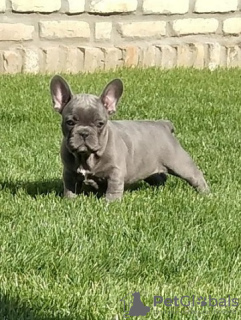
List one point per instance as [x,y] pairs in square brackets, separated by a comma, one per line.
[83,172]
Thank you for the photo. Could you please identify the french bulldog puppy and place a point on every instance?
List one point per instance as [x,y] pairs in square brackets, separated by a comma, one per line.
[96,149]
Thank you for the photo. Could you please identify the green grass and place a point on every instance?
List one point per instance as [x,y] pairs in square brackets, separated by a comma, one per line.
[69,260]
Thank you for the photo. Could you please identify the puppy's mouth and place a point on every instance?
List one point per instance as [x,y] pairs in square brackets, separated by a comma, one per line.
[83,149]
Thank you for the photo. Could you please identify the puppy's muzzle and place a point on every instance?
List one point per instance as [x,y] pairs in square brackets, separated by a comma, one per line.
[84,135]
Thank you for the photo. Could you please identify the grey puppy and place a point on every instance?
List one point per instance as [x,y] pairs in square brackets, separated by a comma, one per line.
[95,149]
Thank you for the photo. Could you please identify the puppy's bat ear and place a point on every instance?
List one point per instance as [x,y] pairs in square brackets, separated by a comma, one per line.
[111,95]
[60,92]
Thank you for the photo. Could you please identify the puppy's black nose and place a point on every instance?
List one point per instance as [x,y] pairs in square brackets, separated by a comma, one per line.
[84,134]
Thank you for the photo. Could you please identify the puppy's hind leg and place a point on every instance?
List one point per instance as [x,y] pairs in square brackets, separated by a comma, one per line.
[182,165]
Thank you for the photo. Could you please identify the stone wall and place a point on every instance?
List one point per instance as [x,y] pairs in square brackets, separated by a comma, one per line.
[85,35]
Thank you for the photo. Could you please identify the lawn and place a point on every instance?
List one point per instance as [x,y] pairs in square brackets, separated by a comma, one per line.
[76,259]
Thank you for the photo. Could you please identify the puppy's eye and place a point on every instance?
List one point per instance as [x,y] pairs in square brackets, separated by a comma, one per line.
[100,124]
[70,123]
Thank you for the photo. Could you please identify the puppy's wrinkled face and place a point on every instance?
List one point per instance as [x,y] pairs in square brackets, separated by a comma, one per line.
[84,116]
[84,121]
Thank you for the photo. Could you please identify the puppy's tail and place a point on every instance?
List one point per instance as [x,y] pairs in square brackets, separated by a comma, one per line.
[169,125]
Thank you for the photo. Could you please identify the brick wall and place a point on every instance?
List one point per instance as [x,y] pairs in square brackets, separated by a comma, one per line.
[85,35]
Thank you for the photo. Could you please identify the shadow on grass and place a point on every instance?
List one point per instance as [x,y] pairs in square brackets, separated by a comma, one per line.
[45,187]
[34,188]
[13,309]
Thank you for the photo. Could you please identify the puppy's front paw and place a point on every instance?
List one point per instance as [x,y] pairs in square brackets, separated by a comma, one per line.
[69,194]
[91,183]
[110,197]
